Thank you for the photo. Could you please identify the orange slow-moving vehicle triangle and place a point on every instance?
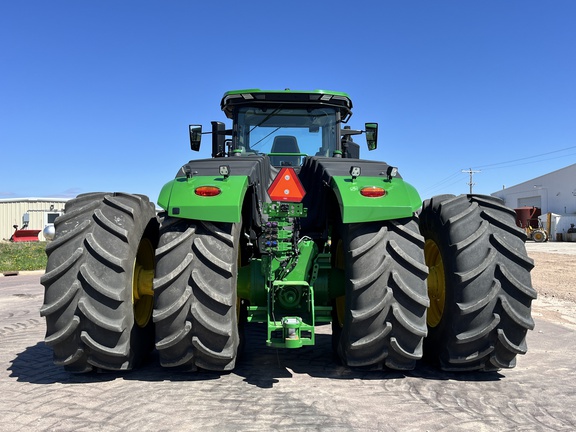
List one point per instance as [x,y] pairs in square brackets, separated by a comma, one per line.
[286,187]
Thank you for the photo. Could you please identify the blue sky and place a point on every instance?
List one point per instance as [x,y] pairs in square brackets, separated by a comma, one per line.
[96,95]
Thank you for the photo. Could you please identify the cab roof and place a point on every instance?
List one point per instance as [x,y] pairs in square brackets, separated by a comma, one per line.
[252,97]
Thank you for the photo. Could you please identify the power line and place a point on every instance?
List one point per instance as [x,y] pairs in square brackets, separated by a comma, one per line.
[443,188]
[526,158]
[448,181]
[529,162]
[443,182]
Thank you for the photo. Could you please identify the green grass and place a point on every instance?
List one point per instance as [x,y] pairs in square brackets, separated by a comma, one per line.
[22,256]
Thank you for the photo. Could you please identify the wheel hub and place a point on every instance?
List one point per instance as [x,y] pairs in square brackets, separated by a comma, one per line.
[436,283]
[142,283]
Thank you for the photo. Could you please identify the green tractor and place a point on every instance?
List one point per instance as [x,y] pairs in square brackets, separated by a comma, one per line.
[286,226]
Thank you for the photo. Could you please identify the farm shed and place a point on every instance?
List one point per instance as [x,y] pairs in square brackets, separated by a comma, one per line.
[35,212]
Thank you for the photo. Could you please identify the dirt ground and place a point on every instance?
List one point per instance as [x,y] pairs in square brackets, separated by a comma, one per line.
[554,275]
[554,278]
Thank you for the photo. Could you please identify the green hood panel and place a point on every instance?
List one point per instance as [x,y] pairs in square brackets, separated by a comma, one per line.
[179,199]
[401,199]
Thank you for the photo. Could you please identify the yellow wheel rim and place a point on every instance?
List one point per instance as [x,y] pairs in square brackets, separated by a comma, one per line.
[340,301]
[142,292]
[436,283]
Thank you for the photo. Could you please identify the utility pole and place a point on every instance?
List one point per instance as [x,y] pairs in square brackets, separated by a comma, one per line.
[471,173]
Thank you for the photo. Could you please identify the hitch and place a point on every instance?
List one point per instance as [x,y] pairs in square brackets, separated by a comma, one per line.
[287,265]
[290,331]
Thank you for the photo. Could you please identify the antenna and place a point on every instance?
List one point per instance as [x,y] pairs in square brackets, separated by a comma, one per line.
[471,173]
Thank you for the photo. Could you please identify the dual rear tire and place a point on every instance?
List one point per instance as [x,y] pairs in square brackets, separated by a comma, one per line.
[113,277]
[453,288]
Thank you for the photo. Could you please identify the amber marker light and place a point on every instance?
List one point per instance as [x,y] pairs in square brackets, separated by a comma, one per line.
[373,192]
[207,191]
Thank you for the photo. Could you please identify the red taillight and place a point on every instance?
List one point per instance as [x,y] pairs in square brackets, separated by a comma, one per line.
[207,191]
[373,192]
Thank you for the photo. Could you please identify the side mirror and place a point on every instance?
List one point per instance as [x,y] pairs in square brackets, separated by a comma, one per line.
[371,135]
[195,136]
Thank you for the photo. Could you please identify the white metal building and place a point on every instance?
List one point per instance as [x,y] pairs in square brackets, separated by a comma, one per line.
[36,212]
[553,193]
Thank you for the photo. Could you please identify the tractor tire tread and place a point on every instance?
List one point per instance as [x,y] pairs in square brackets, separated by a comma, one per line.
[488,286]
[194,285]
[386,297]
[89,320]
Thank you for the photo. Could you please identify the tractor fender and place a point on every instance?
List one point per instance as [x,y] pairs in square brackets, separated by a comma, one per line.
[400,200]
[180,198]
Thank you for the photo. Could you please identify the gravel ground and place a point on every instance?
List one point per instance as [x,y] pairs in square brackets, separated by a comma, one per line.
[296,390]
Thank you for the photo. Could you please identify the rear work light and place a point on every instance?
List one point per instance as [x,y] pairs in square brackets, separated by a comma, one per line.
[207,191]
[373,192]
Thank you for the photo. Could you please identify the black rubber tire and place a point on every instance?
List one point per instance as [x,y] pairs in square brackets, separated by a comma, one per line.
[88,300]
[386,299]
[539,236]
[195,292]
[488,290]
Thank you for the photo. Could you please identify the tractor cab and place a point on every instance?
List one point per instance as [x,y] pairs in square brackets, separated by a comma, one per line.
[286,135]
[285,125]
